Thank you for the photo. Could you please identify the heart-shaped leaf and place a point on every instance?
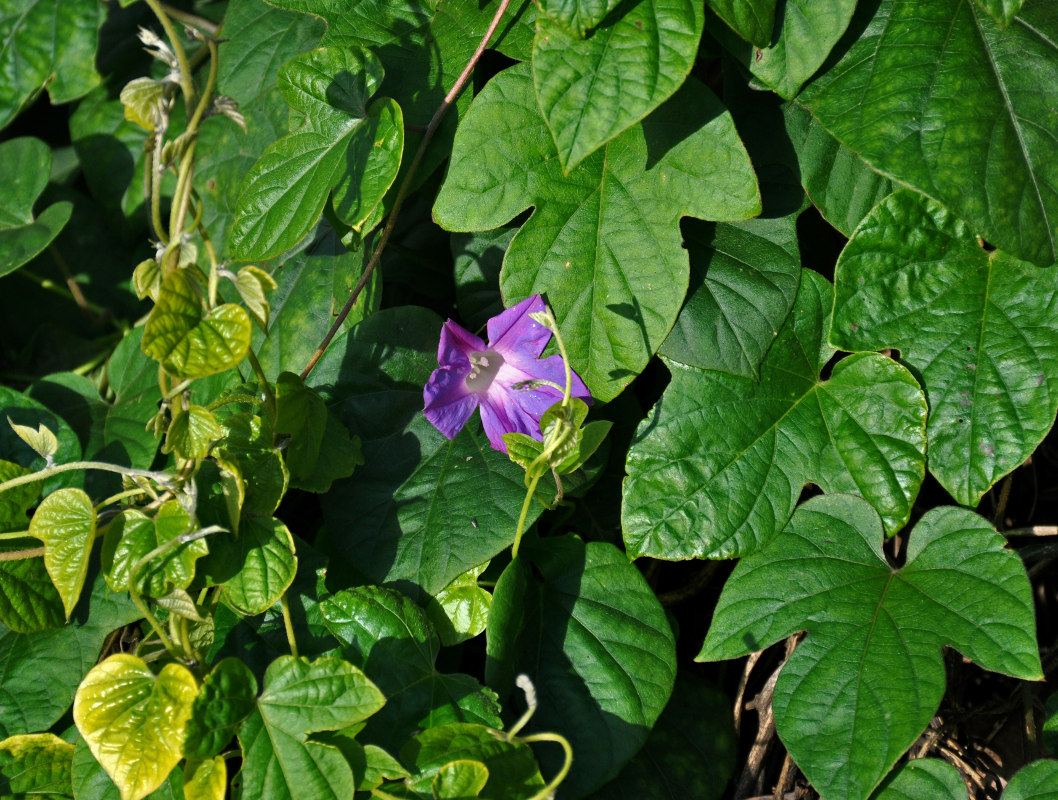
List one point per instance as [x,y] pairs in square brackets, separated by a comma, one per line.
[36,765]
[719,463]
[460,611]
[337,143]
[133,535]
[907,112]
[603,243]
[872,630]
[264,560]
[981,327]
[192,432]
[392,640]
[134,721]
[301,698]
[66,522]
[91,780]
[583,624]
[590,89]
[188,343]
[206,780]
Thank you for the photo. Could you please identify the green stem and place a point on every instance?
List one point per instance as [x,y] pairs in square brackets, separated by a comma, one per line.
[49,285]
[156,190]
[521,517]
[549,790]
[266,387]
[119,496]
[186,84]
[288,624]
[14,535]
[158,477]
[182,197]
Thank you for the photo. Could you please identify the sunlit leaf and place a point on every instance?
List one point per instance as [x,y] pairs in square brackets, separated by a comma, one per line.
[66,523]
[36,765]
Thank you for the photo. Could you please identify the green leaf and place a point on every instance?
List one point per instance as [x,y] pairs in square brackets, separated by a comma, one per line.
[192,433]
[133,535]
[981,327]
[1003,11]
[392,640]
[301,698]
[478,258]
[459,780]
[14,503]
[754,21]
[838,181]
[66,523]
[591,89]
[47,43]
[744,279]
[134,721]
[603,242]
[922,777]
[42,441]
[690,752]
[188,343]
[39,672]
[578,16]
[717,467]
[254,284]
[512,771]
[91,780]
[25,165]
[263,556]
[29,601]
[807,32]
[873,630]
[423,509]
[207,780]
[134,378]
[337,142]
[226,698]
[36,765]
[320,450]
[460,611]
[23,410]
[583,624]
[907,111]
[1037,781]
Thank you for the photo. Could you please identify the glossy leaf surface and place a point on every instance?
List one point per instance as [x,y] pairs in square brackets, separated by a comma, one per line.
[36,765]
[719,463]
[939,96]
[227,697]
[614,312]
[66,522]
[872,630]
[981,327]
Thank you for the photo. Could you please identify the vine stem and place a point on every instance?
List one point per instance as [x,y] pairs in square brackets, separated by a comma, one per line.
[158,477]
[405,187]
[529,494]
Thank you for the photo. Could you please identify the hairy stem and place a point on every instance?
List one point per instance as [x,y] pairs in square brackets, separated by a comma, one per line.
[158,477]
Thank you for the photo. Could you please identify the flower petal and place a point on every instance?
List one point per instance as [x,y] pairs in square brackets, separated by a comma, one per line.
[514,334]
[448,404]
[456,345]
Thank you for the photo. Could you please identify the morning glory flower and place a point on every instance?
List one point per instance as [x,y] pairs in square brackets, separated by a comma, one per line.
[491,375]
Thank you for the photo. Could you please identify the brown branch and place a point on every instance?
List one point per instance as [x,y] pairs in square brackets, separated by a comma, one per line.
[18,555]
[405,187]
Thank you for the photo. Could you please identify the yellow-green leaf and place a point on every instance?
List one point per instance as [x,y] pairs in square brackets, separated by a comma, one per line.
[460,780]
[188,343]
[206,780]
[143,99]
[133,721]
[35,765]
[254,284]
[42,440]
[192,433]
[66,522]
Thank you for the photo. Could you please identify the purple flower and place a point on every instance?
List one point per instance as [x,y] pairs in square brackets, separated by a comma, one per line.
[473,373]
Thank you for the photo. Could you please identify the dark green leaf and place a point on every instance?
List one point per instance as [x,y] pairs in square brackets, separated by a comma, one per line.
[47,43]
[263,556]
[331,146]
[718,465]
[578,16]
[744,279]
[226,698]
[753,20]
[901,98]
[36,766]
[873,630]
[586,628]
[922,777]
[982,327]
[392,640]
[300,698]
[1003,11]
[603,243]
[39,672]
[25,165]
[29,602]
[591,89]
[690,752]
[807,30]
[478,258]
[1050,725]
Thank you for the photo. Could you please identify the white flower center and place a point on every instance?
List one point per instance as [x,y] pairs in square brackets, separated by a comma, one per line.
[483,369]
